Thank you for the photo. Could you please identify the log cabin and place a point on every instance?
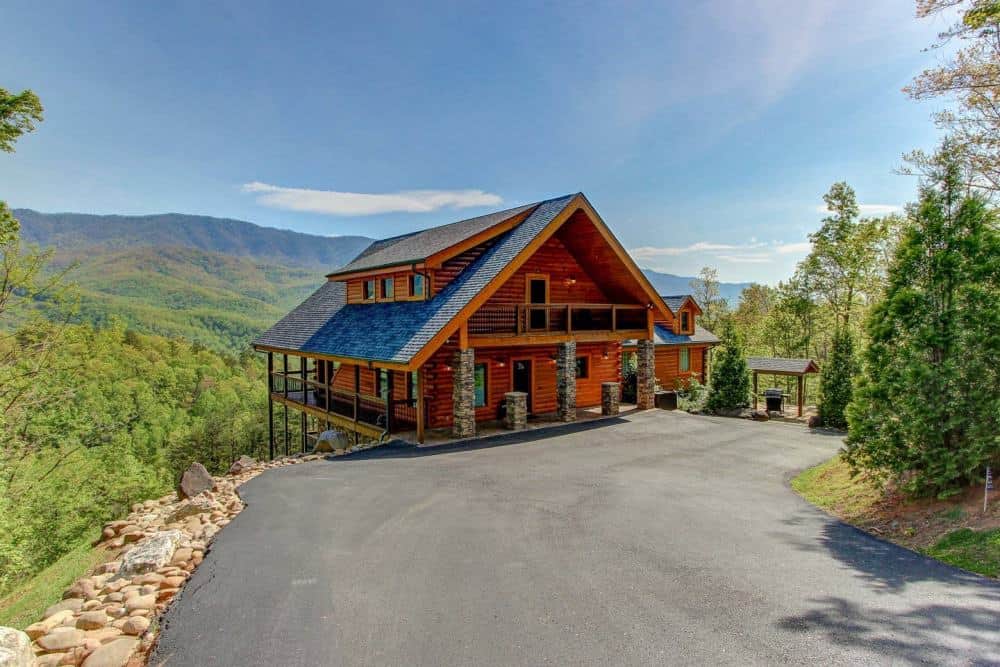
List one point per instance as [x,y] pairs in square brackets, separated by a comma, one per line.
[682,346]
[432,329]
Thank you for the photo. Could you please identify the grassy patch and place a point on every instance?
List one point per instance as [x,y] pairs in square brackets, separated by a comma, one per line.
[26,603]
[977,551]
[830,486]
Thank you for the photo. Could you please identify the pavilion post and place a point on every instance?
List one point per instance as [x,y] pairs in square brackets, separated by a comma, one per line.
[801,388]
[755,390]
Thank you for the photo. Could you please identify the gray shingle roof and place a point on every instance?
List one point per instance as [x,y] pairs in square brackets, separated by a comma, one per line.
[417,246]
[779,365]
[664,336]
[674,302]
[396,331]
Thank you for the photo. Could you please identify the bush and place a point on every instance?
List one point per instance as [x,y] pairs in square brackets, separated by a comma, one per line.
[731,377]
[836,381]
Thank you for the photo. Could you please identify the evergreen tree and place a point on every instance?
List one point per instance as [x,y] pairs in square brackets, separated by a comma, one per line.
[730,376]
[926,411]
[835,383]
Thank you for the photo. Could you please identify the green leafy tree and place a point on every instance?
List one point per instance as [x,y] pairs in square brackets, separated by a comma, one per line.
[926,411]
[837,380]
[705,289]
[730,375]
[18,115]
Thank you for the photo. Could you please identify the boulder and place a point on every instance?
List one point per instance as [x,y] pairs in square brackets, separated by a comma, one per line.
[15,649]
[189,508]
[136,625]
[113,654]
[72,604]
[815,421]
[195,480]
[61,639]
[759,415]
[330,441]
[242,464]
[150,554]
[729,412]
[774,414]
[92,620]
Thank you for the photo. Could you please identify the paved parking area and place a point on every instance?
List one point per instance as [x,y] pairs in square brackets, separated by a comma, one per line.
[658,538]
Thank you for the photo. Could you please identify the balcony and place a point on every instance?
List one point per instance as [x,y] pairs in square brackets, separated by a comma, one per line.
[557,318]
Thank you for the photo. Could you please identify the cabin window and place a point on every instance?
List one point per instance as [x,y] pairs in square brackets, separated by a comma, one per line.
[582,368]
[368,291]
[685,321]
[382,384]
[416,285]
[411,385]
[388,288]
[685,361]
[480,385]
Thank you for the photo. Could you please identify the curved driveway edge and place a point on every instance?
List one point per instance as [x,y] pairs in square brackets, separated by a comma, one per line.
[662,537]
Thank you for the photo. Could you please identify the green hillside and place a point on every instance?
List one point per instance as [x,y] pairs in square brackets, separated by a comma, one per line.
[213,299]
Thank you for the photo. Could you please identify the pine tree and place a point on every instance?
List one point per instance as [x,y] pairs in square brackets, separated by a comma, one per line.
[836,381]
[926,411]
[730,375]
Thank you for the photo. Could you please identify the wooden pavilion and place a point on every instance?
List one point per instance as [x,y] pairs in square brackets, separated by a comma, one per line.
[798,368]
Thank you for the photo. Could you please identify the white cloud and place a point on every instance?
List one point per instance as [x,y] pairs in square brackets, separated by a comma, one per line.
[869,209]
[332,202]
[747,258]
[651,252]
[790,248]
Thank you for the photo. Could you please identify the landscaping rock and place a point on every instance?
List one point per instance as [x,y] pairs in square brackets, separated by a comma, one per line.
[759,416]
[61,639]
[113,654]
[330,441]
[150,554]
[815,421]
[92,620]
[15,648]
[242,464]
[72,604]
[189,508]
[774,414]
[195,480]
[136,625]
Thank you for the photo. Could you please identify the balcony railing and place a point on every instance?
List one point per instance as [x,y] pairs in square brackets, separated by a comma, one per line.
[563,318]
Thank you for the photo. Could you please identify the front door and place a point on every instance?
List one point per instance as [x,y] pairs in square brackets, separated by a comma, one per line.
[538,292]
[522,378]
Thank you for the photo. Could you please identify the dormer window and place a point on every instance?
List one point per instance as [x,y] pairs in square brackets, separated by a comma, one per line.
[369,290]
[387,288]
[416,285]
[685,321]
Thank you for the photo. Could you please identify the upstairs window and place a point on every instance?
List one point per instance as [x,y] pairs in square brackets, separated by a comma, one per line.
[368,293]
[387,288]
[416,285]
[685,321]
[685,360]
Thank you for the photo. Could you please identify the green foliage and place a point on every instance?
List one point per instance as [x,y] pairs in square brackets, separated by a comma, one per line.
[691,395]
[730,377]
[18,115]
[926,410]
[976,551]
[706,291]
[118,416]
[837,380]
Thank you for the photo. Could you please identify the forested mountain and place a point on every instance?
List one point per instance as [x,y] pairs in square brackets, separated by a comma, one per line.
[76,231]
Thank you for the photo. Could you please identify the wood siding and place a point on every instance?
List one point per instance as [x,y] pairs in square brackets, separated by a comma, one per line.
[401,287]
[668,371]
[499,362]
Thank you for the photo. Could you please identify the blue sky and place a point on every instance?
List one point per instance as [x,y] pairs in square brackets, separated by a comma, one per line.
[704,133]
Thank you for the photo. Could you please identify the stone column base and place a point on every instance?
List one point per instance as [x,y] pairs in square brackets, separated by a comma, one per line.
[610,398]
[645,375]
[463,395]
[516,417]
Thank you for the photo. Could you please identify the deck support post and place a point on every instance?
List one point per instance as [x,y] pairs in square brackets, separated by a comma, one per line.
[645,374]
[800,396]
[463,394]
[390,392]
[270,405]
[566,381]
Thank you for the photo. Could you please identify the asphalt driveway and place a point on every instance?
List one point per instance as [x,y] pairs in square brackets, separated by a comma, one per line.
[662,538]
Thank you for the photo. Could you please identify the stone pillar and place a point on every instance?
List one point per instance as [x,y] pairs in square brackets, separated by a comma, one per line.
[516,417]
[610,398]
[566,381]
[463,394]
[645,374]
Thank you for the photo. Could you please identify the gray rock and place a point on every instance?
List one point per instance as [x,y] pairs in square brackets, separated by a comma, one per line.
[150,554]
[815,421]
[15,649]
[759,415]
[729,412]
[332,440]
[242,464]
[72,604]
[189,508]
[195,480]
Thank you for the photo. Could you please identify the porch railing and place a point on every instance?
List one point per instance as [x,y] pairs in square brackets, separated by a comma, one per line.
[532,318]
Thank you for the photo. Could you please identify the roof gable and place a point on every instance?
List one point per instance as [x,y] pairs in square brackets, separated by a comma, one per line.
[419,246]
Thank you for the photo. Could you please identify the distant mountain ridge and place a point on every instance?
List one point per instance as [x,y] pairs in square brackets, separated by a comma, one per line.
[237,238]
[668,283]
